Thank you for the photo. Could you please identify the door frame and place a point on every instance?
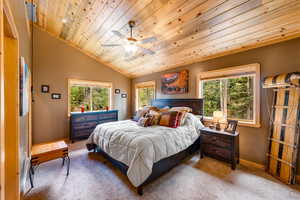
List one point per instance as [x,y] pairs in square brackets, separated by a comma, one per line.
[9,105]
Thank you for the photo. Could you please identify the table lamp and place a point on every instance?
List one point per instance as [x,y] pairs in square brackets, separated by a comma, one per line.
[217,116]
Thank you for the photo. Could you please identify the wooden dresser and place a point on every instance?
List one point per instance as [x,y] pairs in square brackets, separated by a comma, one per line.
[83,124]
[220,145]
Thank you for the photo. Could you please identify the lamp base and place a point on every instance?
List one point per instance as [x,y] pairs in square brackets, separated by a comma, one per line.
[218,127]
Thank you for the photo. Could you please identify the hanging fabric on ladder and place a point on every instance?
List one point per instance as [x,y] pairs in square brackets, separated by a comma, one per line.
[284,126]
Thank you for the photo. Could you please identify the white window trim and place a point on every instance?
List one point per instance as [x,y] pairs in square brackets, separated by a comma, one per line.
[90,84]
[231,72]
[143,85]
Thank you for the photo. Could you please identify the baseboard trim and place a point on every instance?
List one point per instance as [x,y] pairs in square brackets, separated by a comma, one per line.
[251,164]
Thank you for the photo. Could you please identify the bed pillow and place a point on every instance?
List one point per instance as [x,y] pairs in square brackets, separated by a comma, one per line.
[180,109]
[142,112]
[144,121]
[155,117]
[181,118]
[169,119]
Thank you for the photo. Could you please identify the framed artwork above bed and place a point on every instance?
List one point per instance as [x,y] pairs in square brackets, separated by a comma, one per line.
[175,83]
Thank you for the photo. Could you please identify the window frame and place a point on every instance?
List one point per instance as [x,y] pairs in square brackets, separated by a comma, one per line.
[87,83]
[145,84]
[235,72]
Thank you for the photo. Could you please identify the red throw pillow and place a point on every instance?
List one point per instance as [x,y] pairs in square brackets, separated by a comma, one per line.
[169,119]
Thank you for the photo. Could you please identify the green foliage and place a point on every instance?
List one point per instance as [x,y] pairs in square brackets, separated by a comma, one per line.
[212,99]
[234,96]
[82,96]
[145,95]
[240,98]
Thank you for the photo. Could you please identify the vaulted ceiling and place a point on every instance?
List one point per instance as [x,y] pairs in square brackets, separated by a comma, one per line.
[187,31]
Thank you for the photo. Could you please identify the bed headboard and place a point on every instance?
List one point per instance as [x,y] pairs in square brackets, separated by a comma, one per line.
[195,104]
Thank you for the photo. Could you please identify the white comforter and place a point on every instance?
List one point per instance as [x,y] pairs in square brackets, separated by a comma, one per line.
[140,147]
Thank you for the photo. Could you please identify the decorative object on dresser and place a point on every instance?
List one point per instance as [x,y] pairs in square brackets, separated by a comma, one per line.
[41,153]
[220,145]
[231,126]
[83,124]
[283,147]
[218,116]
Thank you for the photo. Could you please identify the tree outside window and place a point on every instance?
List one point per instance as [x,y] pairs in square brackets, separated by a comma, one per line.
[234,96]
[145,95]
[93,98]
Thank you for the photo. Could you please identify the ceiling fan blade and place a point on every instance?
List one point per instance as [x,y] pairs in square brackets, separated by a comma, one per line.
[111,45]
[148,40]
[147,51]
[117,33]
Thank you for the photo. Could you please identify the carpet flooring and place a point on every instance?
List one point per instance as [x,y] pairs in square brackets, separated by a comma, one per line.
[93,178]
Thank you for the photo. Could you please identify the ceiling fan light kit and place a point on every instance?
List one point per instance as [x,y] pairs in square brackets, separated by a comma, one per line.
[130,44]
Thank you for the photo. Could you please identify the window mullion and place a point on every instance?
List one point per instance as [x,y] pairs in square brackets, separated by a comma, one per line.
[221,96]
[91,99]
[225,96]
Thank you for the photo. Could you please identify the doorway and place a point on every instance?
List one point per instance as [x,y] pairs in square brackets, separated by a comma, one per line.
[9,105]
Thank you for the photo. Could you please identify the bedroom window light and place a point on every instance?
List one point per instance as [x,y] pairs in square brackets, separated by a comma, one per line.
[235,91]
[145,92]
[93,95]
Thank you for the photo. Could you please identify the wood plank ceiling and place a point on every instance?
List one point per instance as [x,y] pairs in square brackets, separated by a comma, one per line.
[187,31]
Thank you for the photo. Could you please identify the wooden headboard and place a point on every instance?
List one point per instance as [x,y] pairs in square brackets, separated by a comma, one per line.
[195,104]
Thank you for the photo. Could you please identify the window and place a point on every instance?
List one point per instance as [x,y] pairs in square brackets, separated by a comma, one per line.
[145,92]
[94,96]
[235,91]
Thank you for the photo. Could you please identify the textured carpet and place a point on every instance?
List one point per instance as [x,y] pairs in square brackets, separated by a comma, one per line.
[93,178]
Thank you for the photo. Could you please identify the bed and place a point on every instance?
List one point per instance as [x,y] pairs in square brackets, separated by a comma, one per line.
[145,153]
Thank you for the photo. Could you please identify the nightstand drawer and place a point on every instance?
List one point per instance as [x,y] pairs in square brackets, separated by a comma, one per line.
[216,140]
[215,151]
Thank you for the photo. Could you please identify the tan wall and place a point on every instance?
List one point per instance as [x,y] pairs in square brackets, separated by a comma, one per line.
[54,63]
[18,11]
[274,59]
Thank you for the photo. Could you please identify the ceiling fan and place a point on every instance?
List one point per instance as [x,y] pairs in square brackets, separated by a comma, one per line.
[130,44]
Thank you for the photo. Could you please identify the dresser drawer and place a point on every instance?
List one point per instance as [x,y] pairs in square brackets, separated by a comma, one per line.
[216,140]
[84,125]
[108,116]
[218,152]
[84,118]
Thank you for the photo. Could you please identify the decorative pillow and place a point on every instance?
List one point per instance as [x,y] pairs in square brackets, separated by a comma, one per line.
[142,112]
[180,109]
[181,118]
[169,119]
[144,121]
[138,114]
[155,117]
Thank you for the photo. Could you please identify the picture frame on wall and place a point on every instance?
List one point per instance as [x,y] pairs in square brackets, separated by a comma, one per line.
[175,82]
[45,89]
[56,96]
[117,91]
[24,87]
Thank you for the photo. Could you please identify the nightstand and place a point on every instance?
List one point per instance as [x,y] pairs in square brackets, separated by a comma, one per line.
[220,145]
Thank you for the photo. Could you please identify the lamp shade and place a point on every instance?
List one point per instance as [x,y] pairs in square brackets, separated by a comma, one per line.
[218,115]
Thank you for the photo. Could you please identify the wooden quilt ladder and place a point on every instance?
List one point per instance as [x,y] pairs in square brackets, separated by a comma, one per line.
[284,128]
